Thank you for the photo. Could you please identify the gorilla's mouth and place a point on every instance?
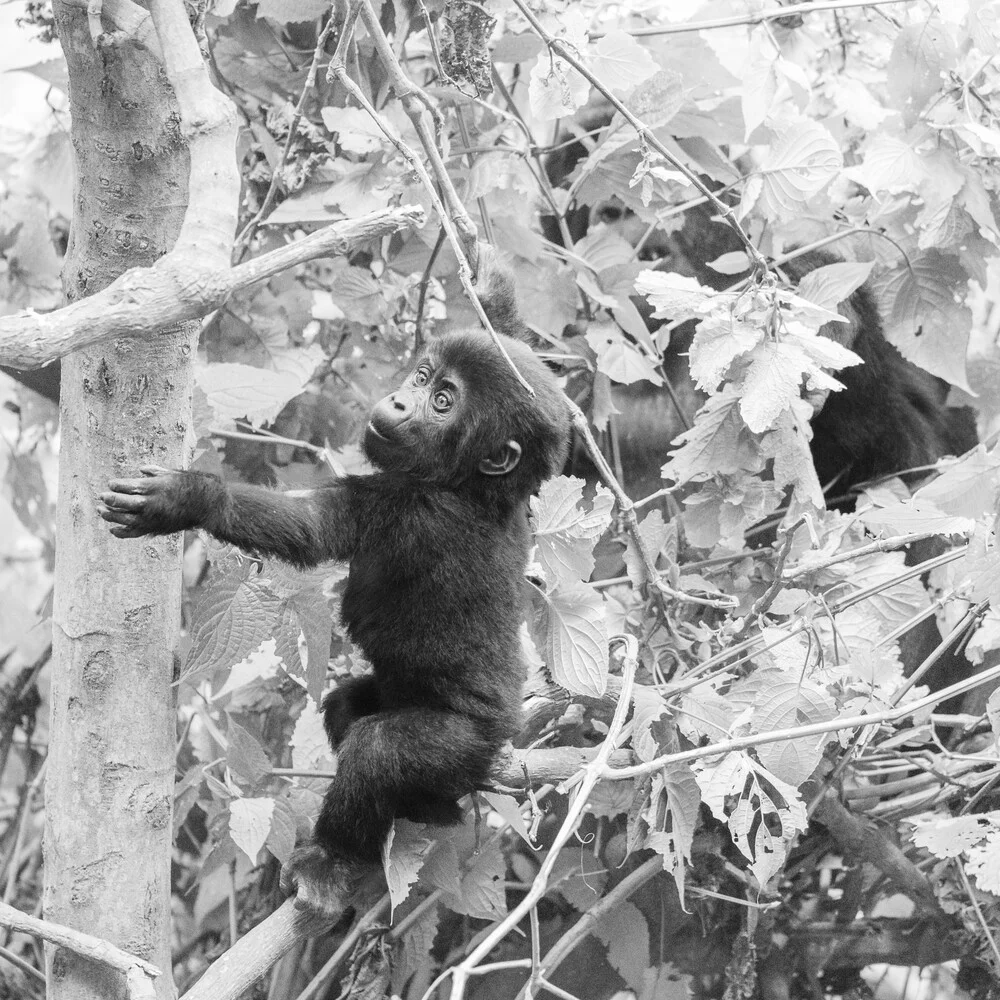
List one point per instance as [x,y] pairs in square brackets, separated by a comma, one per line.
[374,431]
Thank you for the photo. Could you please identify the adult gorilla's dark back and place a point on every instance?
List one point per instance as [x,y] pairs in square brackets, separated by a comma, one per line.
[890,416]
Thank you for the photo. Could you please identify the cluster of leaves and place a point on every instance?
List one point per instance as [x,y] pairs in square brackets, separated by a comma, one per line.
[878,129]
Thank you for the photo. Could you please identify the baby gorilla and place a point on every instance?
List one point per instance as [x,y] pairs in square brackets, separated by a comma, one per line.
[437,542]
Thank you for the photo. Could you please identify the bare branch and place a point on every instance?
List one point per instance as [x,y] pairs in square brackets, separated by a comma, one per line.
[175,289]
[86,945]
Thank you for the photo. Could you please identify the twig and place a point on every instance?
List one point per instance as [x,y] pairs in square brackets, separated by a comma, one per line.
[243,240]
[22,828]
[592,774]
[86,945]
[767,598]
[338,68]
[565,52]
[24,966]
[558,952]
[759,17]
[798,732]
[987,931]
[177,288]
[627,509]
[881,545]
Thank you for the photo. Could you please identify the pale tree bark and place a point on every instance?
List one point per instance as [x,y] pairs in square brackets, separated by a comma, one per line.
[116,619]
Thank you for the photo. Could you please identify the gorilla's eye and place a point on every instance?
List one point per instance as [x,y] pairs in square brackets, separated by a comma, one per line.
[421,376]
[442,401]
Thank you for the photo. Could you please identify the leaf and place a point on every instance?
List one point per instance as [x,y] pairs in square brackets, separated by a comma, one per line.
[948,837]
[403,855]
[511,48]
[914,515]
[250,824]
[232,616]
[626,934]
[802,160]
[413,952]
[261,664]
[718,341]
[281,837]
[292,11]
[719,443]
[236,390]
[564,533]
[925,320]
[890,165]
[735,262]
[575,639]
[648,706]
[356,130]
[656,534]
[832,284]
[482,893]
[507,807]
[245,756]
[674,296]
[772,381]
[618,359]
[310,744]
[620,62]
[966,489]
[674,836]
[555,89]
[785,705]
[920,54]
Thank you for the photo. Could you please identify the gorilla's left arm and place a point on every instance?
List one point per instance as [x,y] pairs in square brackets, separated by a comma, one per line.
[302,527]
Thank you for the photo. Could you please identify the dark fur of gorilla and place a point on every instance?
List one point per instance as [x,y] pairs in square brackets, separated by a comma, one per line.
[890,416]
[437,542]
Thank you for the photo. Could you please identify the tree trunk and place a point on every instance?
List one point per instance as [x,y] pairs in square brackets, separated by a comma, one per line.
[117,606]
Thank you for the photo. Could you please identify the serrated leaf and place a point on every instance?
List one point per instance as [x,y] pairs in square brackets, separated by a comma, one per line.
[261,664]
[772,381]
[310,744]
[966,489]
[890,165]
[281,837]
[926,317]
[803,159]
[916,516]
[618,359]
[245,756]
[620,62]
[625,932]
[920,54]
[575,638]
[648,706]
[718,341]
[403,855]
[235,391]
[250,824]
[564,532]
[832,284]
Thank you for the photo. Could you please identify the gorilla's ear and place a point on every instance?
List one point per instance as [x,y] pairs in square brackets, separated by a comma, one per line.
[502,461]
[496,290]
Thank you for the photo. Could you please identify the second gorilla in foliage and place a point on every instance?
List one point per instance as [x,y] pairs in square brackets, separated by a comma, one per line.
[437,541]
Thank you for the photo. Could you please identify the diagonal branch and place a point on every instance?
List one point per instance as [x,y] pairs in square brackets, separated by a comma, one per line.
[175,289]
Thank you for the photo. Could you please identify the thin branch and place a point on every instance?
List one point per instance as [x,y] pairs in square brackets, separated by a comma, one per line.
[177,288]
[758,17]
[87,945]
[592,774]
[243,240]
[566,53]
[815,729]
[338,69]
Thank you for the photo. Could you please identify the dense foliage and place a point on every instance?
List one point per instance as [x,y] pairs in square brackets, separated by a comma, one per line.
[726,860]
